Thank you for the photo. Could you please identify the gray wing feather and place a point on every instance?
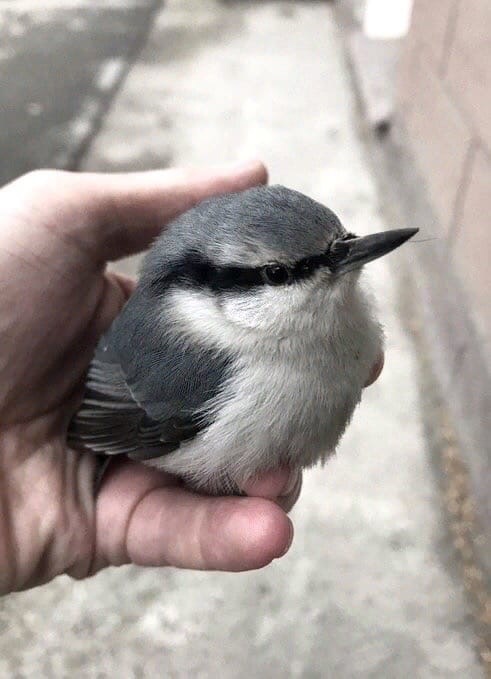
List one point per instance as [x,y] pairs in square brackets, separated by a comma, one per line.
[145,397]
[109,417]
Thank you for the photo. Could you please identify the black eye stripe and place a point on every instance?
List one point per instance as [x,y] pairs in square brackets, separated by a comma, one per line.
[194,271]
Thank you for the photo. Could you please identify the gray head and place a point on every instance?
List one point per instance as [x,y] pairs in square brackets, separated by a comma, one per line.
[266,260]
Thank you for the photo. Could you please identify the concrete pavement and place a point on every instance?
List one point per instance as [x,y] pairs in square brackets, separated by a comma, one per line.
[60,62]
[370,588]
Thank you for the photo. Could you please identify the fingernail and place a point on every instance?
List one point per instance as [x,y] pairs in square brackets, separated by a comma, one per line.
[290,539]
[376,371]
[291,483]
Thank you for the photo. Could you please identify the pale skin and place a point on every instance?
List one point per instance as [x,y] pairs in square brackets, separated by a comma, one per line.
[59,230]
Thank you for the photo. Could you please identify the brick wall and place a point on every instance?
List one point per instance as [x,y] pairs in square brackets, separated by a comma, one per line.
[443,116]
[444,101]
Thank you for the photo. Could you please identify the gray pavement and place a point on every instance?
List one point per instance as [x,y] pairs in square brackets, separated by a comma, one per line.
[369,588]
[60,61]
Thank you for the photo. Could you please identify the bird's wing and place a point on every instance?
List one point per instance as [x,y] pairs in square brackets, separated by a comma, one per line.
[149,408]
[110,420]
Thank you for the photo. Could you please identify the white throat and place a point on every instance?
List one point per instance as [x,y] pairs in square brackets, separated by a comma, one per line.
[295,315]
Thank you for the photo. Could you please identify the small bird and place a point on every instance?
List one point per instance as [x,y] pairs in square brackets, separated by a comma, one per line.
[245,346]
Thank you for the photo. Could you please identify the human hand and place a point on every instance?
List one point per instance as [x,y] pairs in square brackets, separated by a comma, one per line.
[58,232]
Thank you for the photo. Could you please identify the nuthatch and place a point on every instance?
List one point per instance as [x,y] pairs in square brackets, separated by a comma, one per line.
[245,346]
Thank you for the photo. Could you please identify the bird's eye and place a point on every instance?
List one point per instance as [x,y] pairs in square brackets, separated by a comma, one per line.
[276,274]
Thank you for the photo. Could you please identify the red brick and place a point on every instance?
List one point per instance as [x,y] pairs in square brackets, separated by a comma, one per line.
[429,25]
[439,137]
[469,68]
[472,247]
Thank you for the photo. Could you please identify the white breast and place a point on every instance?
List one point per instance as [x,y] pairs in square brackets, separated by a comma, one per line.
[288,402]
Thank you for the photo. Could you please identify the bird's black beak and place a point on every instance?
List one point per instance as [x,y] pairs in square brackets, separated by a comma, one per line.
[351,253]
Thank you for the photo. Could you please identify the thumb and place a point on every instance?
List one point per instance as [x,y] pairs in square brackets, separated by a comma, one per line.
[109,216]
[131,209]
